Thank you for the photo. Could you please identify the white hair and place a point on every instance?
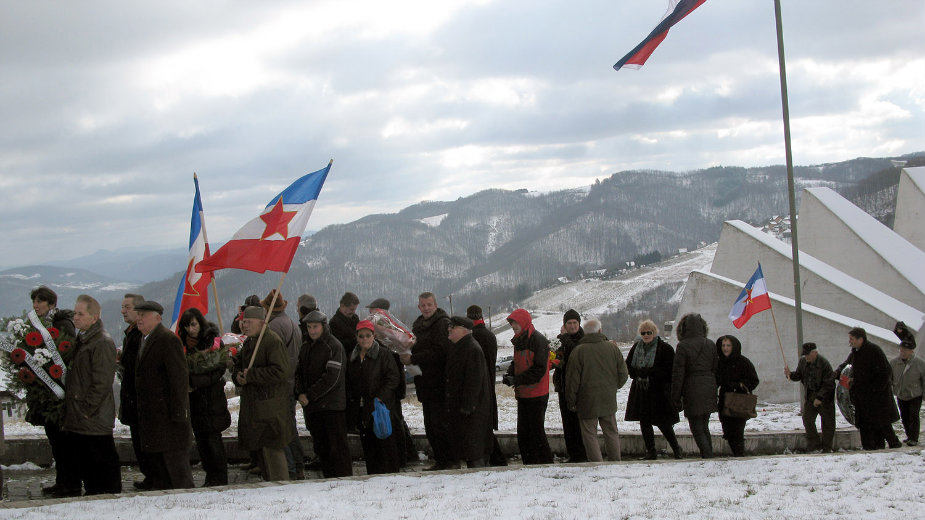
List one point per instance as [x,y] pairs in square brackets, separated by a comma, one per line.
[592,326]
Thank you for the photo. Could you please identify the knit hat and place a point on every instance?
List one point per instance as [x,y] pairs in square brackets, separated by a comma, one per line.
[280,305]
[366,324]
[255,313]
[474,312]
[571,314]
[315,316]
[808,347]
[379,303]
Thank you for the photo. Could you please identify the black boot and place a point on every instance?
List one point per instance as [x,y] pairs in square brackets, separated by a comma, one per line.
[651,455]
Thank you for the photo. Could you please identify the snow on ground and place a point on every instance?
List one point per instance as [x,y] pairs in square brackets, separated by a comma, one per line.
[883,485]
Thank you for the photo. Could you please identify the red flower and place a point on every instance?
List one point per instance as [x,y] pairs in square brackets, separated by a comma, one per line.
[64,346]
[18,356]
[217,344]
[55,371]
[54,332]
[26,375]
[233,351]
[34,339]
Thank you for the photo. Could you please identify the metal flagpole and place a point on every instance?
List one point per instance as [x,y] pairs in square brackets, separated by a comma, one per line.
[794,243]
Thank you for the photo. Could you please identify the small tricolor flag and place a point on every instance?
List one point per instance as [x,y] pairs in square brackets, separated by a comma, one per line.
[193,289]
[269,242]
[752,300]
[677,10]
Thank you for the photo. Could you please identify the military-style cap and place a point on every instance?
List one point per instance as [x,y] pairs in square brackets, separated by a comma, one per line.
[315,316]
[461,321]
[255,312]
[379,303]
[808,347]
[150,306]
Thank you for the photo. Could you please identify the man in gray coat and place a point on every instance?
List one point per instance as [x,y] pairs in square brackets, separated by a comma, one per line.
[89,407]
[595,371]
[908,383]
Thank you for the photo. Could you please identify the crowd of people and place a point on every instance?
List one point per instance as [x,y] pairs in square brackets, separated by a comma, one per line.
[346,379]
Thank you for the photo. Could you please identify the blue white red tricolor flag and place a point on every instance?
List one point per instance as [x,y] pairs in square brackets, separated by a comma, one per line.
[194,286]
[269,242]
[752,300]
[677,10]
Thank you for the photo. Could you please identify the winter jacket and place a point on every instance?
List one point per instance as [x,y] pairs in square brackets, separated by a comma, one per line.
[373,376]
[650,392]
[871,388]
[489,343]
[429,353]
[693,373]
[567,343]
[531,358]
[89,408]
[264,420]
[908,377]
[207,402]
[128,401]
[468,400]
[596,371]
[162,388]
[322,374]
[817,377]
[345,330]
[734,373]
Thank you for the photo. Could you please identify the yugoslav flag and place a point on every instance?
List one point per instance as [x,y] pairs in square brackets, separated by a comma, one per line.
[752,300]
[269,242]
[677,10]
[193,289]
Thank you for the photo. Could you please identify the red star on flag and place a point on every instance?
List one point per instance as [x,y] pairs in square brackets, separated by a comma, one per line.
[277,220]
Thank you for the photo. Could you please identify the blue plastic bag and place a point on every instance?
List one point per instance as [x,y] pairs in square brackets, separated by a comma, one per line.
[382,420]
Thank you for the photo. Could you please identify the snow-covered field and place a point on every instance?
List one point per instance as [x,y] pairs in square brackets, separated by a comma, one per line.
[883,485]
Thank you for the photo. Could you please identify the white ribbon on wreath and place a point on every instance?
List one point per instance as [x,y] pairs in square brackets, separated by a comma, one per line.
[36,367]
[49,342]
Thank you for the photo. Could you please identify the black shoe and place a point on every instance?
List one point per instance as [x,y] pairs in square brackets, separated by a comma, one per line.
[62,492]
[143,485]
[650,455]
[50,490]
[910,442]
[894,445]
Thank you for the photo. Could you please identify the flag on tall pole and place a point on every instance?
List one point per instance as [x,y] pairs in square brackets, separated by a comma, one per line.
[194,286]
[677,10]
[269,242]
[752,300]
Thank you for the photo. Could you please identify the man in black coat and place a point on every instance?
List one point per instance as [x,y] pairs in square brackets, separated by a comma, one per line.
[468,395]
[871,392]
[162,388]
[320,388]
[571,335]
[489,343]
[128,401]
[429,353]
[344,322]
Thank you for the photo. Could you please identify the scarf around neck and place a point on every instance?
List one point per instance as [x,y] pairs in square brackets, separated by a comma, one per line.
[644,356]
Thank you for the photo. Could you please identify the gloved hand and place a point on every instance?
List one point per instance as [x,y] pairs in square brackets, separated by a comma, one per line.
[508,379]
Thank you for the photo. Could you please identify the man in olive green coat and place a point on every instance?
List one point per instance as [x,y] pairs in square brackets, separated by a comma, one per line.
[266,396]
[596,370]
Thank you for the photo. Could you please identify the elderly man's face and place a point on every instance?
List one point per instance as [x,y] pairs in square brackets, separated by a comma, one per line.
[251,327]
[147,321]
[83,320]
[457,333]
[128,310]
[315,330]
[811,357]
[572,326]
[906,353]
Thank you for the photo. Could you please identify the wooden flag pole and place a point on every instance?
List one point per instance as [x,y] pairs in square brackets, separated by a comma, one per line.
[205,238]
[266,320]
[218,308]
[779,342]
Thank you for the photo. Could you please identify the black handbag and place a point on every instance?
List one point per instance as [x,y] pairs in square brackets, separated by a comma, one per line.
[740,405]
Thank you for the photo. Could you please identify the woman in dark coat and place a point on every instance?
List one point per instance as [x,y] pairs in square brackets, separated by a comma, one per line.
[693,379]
[372,374]
[734,374]
[649,362]
[208,404]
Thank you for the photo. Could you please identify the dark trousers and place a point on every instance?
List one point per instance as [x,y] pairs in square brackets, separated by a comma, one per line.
[98,463]
[67,473]
[171,469]
[909,411]
[497,457]
[381,454]
[436,427]
[700,429]
[212,456]
[873,436]
[571,431]
[531,430]
[734,433]
[329,440]
[648,436]
[295,455]
[827,411]
[144,459]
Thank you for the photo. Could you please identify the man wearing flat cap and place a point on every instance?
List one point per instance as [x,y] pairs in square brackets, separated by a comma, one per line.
[468,396]
[265,417]
[908,383]
[162,391]
[818,379]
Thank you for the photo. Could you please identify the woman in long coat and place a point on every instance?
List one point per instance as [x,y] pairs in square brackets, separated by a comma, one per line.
[735,374]
[208,404]
[372,375]
[693,379]
[649,362]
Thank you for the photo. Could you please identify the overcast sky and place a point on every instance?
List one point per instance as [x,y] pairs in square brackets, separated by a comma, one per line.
[109,107]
